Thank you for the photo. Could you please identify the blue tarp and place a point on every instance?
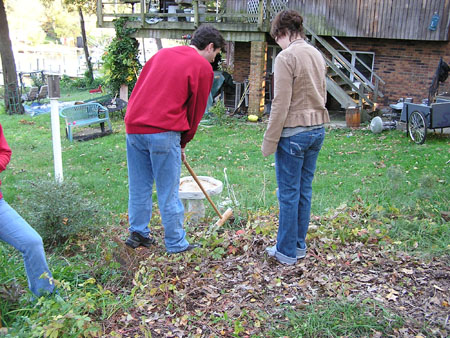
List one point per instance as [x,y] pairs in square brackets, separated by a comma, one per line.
[36,108]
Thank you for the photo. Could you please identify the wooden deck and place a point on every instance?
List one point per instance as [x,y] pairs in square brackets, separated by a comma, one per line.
[249,20]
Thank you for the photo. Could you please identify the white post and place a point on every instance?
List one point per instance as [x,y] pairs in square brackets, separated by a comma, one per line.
[53,90]
[56,138]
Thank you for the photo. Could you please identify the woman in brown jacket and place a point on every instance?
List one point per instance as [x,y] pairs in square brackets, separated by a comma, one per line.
[295,132]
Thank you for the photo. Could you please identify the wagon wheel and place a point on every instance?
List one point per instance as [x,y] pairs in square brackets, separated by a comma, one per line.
[417,127]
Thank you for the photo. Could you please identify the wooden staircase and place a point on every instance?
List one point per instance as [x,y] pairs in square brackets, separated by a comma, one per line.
[360,92]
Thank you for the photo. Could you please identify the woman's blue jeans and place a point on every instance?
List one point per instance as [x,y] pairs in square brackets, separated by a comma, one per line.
[295,164]
[16,231]
[156,158]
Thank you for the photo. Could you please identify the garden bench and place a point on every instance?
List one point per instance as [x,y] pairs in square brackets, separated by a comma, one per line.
[84,115]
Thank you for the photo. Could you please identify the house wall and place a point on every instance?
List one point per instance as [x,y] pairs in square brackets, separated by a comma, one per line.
[241,61]
[407,67]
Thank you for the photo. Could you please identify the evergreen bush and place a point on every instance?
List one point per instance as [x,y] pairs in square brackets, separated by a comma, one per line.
[58,211]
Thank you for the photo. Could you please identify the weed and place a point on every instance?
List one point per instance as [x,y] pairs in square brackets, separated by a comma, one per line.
[218,113]
[76,315]
[396,177]
[427,186]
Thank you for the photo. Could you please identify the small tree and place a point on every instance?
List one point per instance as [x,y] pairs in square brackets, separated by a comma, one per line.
[121,60]
[13,101]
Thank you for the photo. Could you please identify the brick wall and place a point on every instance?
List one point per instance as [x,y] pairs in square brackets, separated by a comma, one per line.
[241,61]
[407,67]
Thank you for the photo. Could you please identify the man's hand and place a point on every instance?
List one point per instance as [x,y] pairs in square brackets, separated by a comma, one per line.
[183,155]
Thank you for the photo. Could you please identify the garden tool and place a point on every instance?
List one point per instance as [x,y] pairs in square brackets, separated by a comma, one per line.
[222,217]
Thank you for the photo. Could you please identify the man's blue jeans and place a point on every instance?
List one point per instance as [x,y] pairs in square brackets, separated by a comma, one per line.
[156,158]
[295,164]
[16,231]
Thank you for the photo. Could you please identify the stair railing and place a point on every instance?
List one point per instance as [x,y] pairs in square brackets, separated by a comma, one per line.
[365,84]
[375,87]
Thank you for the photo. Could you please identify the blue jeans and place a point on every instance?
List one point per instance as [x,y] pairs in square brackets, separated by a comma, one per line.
[156,158]
[16,231]
[295,164]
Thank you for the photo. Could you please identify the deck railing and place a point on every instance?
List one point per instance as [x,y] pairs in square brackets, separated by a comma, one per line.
[147,13]
[247,16]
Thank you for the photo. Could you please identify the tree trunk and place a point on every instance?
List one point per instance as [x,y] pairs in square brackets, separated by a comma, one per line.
[13,100]
[85,47]
[159,43]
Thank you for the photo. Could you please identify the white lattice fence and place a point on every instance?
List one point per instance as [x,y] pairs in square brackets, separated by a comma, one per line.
[276,5]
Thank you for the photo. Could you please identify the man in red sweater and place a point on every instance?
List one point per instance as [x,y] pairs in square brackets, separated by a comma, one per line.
[163,114]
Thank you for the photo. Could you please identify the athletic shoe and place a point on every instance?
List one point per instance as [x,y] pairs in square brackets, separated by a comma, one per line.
[137,239]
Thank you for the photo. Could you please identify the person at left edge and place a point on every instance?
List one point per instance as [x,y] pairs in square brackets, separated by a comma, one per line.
[16,231]
[163,114]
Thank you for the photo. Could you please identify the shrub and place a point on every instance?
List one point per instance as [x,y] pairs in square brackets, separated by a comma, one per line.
[218,113]
[58,211]
[121,60]
[80,83]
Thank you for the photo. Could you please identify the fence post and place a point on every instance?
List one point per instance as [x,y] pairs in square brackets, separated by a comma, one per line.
[196,15]
[260,14]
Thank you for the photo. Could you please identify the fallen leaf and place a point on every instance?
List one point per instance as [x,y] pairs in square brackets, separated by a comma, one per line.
[392,295]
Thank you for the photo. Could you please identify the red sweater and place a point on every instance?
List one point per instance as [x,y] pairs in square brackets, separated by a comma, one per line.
[171,94]
[5,154]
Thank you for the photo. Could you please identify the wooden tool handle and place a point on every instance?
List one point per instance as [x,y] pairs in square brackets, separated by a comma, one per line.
[226,215]
[201,187]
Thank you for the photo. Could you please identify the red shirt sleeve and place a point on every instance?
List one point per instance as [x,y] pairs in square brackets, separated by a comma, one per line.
[196,105]
[5,151]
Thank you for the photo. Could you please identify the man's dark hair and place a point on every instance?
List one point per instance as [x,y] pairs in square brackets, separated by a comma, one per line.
[204,35]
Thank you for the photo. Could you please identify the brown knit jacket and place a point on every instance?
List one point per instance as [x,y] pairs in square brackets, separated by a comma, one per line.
[300,92]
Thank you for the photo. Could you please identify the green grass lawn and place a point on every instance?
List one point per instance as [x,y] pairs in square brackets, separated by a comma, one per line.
[401,187]
[386,169]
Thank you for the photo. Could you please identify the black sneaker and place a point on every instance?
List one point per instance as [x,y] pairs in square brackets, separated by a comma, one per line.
[137,239]
[190,247]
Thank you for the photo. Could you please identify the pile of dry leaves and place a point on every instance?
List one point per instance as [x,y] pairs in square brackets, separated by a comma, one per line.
[230,287]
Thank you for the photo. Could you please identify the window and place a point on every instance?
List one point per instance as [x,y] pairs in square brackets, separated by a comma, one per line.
[272,52]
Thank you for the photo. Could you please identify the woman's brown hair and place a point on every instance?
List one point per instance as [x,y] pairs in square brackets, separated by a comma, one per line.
[288,22]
